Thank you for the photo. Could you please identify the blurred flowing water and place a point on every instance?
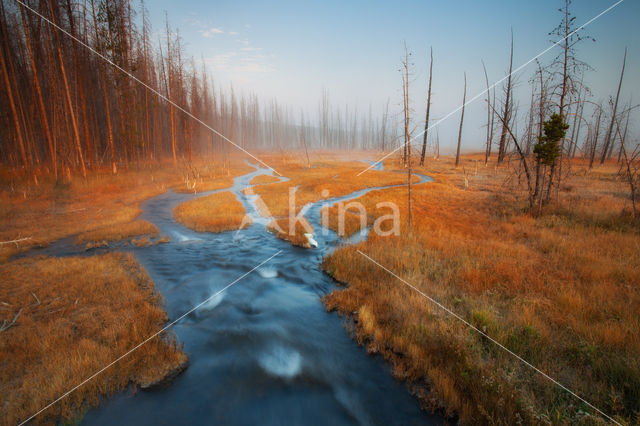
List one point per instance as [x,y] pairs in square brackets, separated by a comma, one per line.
[265,351]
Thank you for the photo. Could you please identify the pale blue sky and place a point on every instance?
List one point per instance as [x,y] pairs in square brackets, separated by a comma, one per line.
[291,50]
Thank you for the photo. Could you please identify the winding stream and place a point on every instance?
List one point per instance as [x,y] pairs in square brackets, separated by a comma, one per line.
[265,351]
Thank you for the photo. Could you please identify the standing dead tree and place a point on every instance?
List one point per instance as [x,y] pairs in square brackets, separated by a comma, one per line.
[490,118]
[564,70]
[407,122]
[523,159]
[426,120]
[593,143]
[303,138]
[623,136]
[630,171]
[546,152]
[607,138]
[464,101]
[507,107]
[383,125]
[577,121]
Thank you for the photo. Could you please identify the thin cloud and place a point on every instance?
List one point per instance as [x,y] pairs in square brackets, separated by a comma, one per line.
[208,33]
[239,62]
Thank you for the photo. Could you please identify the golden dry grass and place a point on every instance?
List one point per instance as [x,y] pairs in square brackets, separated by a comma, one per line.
[204,185]
[348,222]
[264,179]
[203,175]
[217,212]
[77,315]
[119,232]
[329,176]
[561,290]
[49,211]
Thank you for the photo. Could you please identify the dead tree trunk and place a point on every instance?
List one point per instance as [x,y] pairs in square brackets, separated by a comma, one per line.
[487,150]
[464,100]
[12,102]
[426,121]
[507,108]
[607,139]
[623,137]
[594,143]
[170,92]
[74,124]
[36,82]
[407,131]
[105,93]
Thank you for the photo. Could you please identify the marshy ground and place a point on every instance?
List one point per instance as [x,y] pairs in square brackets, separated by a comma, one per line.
[560,289]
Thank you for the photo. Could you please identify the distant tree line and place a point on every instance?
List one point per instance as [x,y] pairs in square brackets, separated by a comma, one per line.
[65,109]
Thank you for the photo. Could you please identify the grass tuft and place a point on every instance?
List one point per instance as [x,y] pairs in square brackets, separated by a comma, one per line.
[217,212]
[113,233]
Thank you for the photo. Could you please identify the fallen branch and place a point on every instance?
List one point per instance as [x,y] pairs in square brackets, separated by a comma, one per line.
[16,241]
[36,297]
[6,326]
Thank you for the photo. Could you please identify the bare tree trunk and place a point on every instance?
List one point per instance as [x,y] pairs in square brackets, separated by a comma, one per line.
[36,81]
[577,126]
[623,137]
[576,114]
[385,118]
[607,139]
[487,150]
[74,124]
[105,94]
[464,101]
[406,125]
[563,94]
[304,139]
[507,108]
[594,144]
[631,171]
[145,70]
[493,120]
[523,160]
[12,101]
[170,92]
[426,121]
[407,131]
[541,103]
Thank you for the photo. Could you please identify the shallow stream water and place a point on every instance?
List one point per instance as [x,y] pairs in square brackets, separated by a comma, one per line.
[265,351]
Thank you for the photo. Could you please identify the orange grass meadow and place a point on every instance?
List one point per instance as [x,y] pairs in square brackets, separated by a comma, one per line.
[561,290]
[52,210]
[77,315]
